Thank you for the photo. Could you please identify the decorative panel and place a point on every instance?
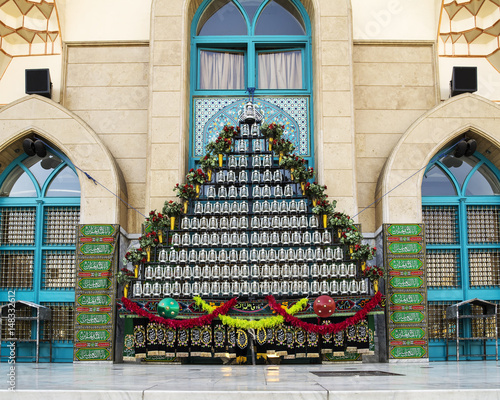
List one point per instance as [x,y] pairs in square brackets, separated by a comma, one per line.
[94,317]
[406,291]
[212,113]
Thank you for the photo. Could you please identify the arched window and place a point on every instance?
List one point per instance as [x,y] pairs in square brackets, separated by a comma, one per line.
[39,211]
[461,213]
[241,44]
[250,43]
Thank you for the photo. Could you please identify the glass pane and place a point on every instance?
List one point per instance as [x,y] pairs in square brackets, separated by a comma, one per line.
[18,184]
[437,183]
[221,17]
[222,70]
[483,183]
[250,7]
[41,168]
[463,166]
[281,70]
[280,17]
[65,184]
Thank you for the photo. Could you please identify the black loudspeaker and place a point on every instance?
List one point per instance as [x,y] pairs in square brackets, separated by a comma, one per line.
[463,80]
[37,81]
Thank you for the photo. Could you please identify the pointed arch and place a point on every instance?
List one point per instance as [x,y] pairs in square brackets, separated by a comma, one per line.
[72,136]
[433,131]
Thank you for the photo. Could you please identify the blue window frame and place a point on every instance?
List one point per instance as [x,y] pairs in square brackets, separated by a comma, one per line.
[230,38]
[39,212]
[461,212]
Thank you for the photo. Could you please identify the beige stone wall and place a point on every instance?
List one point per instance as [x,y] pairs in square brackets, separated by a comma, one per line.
[334,109]
[67,132]
[394,84]
[107,86]
[439,127]
[169,93]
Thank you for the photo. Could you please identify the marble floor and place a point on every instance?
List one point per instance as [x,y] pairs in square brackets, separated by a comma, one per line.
[476,380]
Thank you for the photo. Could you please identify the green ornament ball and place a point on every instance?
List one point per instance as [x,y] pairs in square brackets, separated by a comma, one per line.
[168,308]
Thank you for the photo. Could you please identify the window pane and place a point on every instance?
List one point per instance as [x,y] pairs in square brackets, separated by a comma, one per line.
[222,70]
[41,168]
[437,183]
[250,7]
[280,17]
[65,184]
[281,70]
[18,184]
[483,183]
[464,166]
[221,18]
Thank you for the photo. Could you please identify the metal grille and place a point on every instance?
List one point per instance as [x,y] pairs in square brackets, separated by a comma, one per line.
[62,324]
[16,269]
[60,225]
[482,327]
[22,328]
[58,270]
[483,224]
[443,268]
[438,325]
[441,224]
[17,226]
[484,267]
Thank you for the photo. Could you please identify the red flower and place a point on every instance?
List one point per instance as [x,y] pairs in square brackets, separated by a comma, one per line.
[143,260]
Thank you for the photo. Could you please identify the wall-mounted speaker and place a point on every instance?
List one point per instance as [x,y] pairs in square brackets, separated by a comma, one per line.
[463,80]
[37,81]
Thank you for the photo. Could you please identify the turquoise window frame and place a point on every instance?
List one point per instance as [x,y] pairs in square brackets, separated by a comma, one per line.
[252,44]
[62,351]
[461,201]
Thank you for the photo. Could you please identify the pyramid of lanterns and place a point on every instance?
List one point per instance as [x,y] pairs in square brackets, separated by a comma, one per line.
[251,227]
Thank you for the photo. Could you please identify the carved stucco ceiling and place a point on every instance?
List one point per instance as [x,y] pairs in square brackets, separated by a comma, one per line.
[27,27]
[470,28]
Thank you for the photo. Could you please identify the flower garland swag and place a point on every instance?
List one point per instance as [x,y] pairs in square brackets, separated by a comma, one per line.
[182,324]
[240,323]
[325,329]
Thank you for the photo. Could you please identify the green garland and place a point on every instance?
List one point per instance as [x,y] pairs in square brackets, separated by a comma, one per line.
[269,322]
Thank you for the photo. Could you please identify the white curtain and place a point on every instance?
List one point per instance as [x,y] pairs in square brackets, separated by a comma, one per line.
[281,70]
[221,70]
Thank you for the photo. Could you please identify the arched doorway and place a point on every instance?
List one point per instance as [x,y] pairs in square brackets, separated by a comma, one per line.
[39,211]
[461,213]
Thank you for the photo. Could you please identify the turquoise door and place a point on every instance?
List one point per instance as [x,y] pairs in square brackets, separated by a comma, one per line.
[461,212]
[39,211]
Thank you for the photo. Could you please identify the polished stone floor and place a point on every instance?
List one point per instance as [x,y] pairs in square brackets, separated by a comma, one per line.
[475,380]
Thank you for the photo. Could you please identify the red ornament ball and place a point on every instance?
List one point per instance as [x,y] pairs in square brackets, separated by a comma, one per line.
[324,306]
